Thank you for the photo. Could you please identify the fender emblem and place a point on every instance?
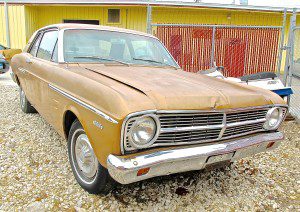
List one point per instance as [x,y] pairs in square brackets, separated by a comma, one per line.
[97,124]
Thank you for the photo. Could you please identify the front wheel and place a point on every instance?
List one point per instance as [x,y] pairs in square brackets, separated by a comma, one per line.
[26,107]
[89,173]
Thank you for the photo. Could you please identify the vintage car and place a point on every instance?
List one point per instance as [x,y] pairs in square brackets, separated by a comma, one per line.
[5,56]
[129,113]
[4,65]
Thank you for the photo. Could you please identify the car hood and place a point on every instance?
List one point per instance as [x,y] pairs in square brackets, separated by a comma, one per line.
[171,89]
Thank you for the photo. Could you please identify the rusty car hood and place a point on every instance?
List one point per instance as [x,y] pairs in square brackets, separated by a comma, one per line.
[171,89]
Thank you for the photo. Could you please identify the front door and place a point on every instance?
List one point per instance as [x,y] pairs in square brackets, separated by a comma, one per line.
[40,67]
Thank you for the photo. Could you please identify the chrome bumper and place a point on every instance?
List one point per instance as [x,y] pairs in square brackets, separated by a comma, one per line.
[124,169]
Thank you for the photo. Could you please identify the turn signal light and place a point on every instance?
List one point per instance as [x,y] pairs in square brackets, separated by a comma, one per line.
[142,171]
[270,144]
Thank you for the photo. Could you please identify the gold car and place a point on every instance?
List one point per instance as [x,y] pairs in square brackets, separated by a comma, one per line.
[130,113]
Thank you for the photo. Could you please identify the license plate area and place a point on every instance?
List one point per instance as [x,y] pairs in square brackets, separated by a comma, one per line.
[249,151]
[219,158]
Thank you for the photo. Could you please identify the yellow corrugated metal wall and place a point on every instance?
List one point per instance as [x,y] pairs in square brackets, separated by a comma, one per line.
[17,26]
[31,18]
[133,17]
[2,26]
[215,16]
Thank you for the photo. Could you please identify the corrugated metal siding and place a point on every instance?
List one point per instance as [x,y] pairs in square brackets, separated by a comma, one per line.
[2,26]
[31,18]
[40,16]
[215,16]
[17,26]
[136,18]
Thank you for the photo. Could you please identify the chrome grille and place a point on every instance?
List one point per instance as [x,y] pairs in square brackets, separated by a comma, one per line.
[190,120]
[239,130]
[246,116]
[188,136]
[202,127]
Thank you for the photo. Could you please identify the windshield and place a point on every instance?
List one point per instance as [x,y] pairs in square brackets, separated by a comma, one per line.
[85,45]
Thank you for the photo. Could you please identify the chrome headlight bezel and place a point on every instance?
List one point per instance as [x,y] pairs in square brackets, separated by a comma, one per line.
[155,135]
[269,116]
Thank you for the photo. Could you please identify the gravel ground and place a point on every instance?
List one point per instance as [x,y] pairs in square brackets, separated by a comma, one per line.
[35,174]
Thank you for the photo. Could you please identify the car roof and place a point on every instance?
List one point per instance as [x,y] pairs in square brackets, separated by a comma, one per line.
[96,27]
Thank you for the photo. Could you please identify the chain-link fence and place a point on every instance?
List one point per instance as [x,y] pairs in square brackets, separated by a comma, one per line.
[241,50]
[294,79]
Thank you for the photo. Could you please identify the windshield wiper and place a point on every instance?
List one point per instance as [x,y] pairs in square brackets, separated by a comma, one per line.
[103,58]
[154,61]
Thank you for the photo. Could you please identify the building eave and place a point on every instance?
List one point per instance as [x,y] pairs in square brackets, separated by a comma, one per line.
[152,3]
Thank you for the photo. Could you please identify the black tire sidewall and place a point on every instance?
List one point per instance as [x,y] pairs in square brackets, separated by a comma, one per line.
[102,182]
[27,107]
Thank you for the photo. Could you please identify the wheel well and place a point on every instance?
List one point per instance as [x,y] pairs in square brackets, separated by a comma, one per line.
[18,82]
[70,117]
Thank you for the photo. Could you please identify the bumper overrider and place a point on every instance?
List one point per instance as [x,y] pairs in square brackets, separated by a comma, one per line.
[128,169]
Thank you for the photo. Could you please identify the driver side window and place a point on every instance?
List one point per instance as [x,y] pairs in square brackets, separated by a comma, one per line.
[47,45]
[35,45]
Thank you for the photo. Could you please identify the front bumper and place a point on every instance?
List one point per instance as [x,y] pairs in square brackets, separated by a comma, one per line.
[164,162]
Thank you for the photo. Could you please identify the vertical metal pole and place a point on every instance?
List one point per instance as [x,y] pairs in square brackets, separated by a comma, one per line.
[290,69]
[7,24]
[213,47]
[281,43]
[149,19]
[288,59]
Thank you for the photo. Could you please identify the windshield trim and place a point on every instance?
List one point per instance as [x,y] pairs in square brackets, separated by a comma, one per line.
[61,58]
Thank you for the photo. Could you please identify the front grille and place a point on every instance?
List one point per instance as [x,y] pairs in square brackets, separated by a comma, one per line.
[189,120]
[189,136]
[202,127]
[245,116]
[232,131]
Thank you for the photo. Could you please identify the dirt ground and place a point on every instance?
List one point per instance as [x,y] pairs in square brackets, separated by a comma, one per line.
[35,174]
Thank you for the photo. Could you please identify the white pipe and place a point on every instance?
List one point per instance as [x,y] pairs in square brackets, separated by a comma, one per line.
[7,24]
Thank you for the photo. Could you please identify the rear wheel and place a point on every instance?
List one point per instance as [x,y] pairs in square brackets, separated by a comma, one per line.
[89,173]
[26,107]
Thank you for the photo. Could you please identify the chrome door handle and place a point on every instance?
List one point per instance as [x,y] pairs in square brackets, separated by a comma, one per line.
[28,60]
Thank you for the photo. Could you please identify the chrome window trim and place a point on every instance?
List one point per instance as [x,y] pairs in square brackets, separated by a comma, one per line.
[223,127]
[83,104]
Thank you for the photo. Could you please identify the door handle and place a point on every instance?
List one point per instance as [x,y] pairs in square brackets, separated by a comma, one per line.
[28,60]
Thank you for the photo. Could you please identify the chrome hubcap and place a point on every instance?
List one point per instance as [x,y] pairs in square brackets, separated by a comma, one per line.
[22,95]
[85,157]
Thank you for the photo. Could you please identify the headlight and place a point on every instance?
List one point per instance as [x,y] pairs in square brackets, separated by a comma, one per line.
[273,118]
[144,131]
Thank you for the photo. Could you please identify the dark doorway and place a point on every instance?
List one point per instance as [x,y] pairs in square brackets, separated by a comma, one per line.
[74,21]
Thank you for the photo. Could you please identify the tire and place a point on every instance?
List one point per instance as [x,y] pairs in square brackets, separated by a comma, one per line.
[25,105]
[91,176]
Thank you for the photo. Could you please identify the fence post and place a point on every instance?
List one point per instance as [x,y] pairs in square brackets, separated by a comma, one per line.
[291,69]
[281,42]
[149,19]
[288,58]
[213,40]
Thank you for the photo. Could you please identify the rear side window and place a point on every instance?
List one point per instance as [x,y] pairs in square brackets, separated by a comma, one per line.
[35,45]
[47,45]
